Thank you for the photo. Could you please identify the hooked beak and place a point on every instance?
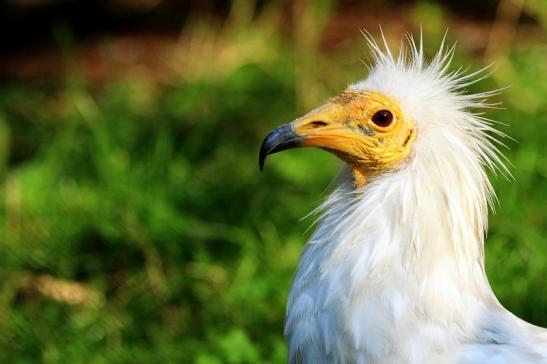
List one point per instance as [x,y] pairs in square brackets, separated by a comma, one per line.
[281,138]
[319,128]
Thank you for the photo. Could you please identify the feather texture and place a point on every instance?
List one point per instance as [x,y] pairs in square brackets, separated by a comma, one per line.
[394,272]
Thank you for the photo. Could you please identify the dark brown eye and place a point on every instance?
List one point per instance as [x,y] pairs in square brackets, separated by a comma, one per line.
[383,118]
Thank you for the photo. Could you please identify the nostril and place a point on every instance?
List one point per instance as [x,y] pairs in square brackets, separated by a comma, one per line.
[318,124]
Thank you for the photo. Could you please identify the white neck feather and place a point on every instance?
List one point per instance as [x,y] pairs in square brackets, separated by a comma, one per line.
[403,257]
[419,229]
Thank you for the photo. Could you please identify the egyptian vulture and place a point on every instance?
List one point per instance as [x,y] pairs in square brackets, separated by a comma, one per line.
[395,272]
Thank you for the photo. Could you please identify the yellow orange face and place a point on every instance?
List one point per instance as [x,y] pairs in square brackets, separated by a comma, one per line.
[366,129]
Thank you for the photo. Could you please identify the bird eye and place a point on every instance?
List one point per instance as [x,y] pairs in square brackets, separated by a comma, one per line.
[382,118]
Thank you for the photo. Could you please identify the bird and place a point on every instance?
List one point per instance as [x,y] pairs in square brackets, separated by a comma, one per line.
[395,272]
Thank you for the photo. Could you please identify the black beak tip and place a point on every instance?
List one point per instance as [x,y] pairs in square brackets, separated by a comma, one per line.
[262,159]
[265,149]
[284,137]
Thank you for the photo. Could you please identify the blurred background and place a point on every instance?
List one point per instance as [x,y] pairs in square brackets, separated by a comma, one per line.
[135,226]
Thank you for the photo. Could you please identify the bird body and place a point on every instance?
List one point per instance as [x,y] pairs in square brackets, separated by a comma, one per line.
[367,296]
[395,272]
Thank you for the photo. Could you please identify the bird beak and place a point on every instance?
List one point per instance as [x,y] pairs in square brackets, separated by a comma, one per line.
[319,128]
[281,138]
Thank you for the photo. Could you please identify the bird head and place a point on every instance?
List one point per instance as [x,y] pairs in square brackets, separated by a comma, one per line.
[366,129]
[406,110]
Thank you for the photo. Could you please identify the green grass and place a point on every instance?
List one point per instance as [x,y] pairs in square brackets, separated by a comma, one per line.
[153,202]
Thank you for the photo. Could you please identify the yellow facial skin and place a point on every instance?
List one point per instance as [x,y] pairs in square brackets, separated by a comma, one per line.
[345,127]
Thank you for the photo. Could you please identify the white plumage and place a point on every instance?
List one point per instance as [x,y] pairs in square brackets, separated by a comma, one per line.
[394,272]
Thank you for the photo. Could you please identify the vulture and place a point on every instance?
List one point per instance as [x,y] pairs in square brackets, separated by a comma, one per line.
[394,272]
